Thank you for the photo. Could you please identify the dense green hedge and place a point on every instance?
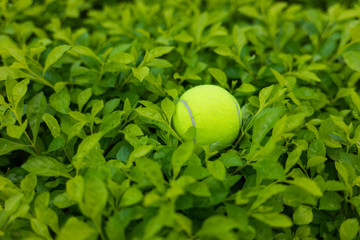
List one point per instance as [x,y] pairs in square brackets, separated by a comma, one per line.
[87,94]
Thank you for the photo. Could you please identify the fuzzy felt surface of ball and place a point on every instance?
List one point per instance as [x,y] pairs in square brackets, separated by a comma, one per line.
[213,111]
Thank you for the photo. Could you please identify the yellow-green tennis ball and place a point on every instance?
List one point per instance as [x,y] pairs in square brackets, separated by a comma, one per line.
[214,113]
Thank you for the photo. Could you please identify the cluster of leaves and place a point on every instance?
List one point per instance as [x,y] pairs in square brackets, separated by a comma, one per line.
[87,94]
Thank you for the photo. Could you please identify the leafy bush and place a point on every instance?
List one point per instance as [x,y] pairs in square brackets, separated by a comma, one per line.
[88,90]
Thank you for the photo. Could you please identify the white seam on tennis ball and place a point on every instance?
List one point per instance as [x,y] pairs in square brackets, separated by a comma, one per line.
[190,114]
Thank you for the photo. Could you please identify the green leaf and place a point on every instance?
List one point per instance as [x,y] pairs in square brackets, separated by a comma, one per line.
[123,57]
[7,146]
[265,94]
[76,229]
[111,121]
[160,51]
[140,73]
[60,101]
[356,100]
[219,76]
[82,50]
[274,219]
[330,201]
[246,88]
[303,215]
[34,112]
[238,38]
[168,107]
[56,144]
[217,226]
[132,196]
[46,166]
[352,60]
[217,169]
[86,146]
[28,184]
[307,184]
[55,55]
[16,131]
[153,171]
[282,81]
[94,199]
[150,113]
[75,188]
[97,107]
[83,97]
[180,156]
[263,123]
[349,229]
[45,214]
[75,130]
[40,228]
[52,124]
[110,106]
[315,161]
[199,189]
[19,91]
[238,214]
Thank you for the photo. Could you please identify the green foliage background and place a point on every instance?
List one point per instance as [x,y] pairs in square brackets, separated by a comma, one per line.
[87,94]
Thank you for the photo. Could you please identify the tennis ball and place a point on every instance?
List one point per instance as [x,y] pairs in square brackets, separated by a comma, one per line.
[214,113]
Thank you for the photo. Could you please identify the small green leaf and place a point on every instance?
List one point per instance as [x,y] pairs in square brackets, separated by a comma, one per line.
[307,184]
[282,81]
[97,107]
[55,55]
[110,106]
[349,229]
[111,121]
[34,112]
[28,184]
[303,215]
[274,219]
[46,166]
[168,107]
[265,94]
[199,189]
[140,73]
[56,144]
[246,88]
[83,97]
[217,169]
[217,226]
[238,38]
[160,51]
[75,188]
[356,100]
[180,156]
[123,57]
[132,196]
[331,201]
[219,76]
[16,131]
[82,50]
[352,59]
[60,101]
[52,124]
[76,229]
[86,146]
[95,198]
[40,228]
[7,146]
[19,91]
[315,161]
